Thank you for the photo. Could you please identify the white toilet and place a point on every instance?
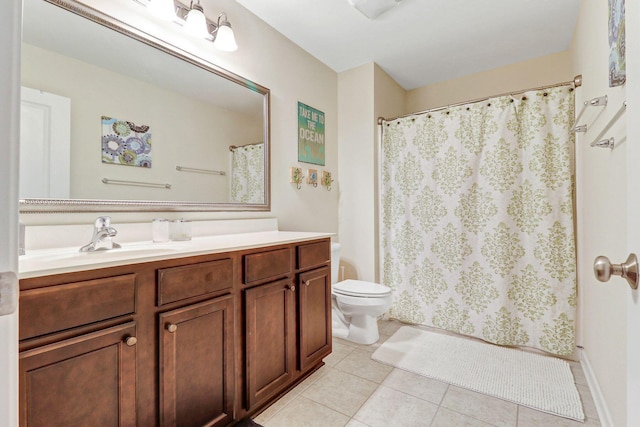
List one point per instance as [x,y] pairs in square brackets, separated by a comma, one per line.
[356,305]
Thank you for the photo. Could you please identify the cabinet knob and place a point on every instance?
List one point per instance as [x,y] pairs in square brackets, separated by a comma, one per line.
[172,328]
[292,288]
[131,341]
[307,282]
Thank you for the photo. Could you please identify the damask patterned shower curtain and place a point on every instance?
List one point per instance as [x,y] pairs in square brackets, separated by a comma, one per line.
[477,231]
[247,174]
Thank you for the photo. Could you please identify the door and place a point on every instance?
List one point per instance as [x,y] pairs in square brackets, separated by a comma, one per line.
[10,39]
[196,365]
[314,312]
[45,145]
[87,381]
[270,333]
[633,205]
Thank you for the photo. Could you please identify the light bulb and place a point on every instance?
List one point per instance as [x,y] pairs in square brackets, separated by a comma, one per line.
[225,40]
[196,23]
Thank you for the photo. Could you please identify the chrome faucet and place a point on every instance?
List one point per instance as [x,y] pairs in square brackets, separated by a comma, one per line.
[102,234]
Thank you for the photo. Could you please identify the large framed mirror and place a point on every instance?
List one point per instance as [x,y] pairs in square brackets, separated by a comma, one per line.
[115,120]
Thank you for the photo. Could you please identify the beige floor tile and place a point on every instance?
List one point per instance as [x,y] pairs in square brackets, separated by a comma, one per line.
[485,408]
[578,373]
[448,418]
[339,352]
[295,392]
[389,327]
[359,363]
[356,423]
[588,405]
[416,385]
[341,391]
[388,407]
[529,418]
[303,412]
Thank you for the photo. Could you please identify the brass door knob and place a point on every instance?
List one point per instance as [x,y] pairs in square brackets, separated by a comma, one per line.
[603,269]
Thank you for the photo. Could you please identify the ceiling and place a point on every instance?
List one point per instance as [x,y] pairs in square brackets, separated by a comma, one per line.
[421,42]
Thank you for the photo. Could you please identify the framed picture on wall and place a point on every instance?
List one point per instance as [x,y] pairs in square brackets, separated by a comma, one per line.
[310,135]
[617,44]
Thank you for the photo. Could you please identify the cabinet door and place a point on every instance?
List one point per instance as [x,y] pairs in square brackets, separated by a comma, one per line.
[84,381]
[315,316]
[270,333]
[196,364]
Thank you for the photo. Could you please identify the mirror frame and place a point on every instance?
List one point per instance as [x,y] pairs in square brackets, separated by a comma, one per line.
[96,205]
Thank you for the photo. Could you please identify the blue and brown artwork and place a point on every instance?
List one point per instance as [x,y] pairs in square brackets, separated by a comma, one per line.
[310,135]
[125,143]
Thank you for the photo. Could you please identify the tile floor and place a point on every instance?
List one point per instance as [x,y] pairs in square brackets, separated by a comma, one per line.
[354,391]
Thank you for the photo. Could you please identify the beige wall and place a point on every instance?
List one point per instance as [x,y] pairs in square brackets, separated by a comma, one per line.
[270,59]
[364,94]
[537,72]
[601,220]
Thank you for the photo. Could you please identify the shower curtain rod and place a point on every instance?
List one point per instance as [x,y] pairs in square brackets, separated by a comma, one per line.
[233,147]
[576,82]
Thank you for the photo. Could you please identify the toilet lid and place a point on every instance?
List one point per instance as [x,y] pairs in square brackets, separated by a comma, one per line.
[360,288]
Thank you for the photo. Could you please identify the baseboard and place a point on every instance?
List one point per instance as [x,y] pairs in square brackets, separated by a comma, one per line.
[601,406]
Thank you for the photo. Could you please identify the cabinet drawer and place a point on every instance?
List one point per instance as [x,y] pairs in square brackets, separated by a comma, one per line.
[178,283]
[313,254]
[56,308]
[266,265]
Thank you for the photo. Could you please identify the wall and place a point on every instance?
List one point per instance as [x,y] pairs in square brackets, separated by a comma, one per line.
[537,72]
[270,59]
[364,94]
[192,133]
[10,19]
[601,228]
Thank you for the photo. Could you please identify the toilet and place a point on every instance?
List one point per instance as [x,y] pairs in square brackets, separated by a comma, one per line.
[356,305]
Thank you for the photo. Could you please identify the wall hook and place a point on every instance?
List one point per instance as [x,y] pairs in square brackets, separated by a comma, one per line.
[296,177]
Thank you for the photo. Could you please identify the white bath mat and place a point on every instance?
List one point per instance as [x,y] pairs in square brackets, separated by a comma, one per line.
[538,382]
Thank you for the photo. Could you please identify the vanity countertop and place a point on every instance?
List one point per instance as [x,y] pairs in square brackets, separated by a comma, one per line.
[44,262]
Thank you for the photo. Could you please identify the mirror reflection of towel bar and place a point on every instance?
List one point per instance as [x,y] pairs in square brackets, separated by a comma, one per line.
[136,183]
[196,170]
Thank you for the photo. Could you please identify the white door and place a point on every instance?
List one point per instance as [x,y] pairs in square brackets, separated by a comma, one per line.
[632,16]
[45,145]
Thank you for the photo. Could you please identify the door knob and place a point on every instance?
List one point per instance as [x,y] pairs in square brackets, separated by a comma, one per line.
[603,269]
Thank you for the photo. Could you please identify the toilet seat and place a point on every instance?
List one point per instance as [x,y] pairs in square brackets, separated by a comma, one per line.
[360,288]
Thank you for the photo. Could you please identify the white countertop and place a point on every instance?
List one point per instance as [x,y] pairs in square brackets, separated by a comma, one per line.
[44,262]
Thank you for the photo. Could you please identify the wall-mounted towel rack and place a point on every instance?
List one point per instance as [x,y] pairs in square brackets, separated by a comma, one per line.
[609,142]
[136,183]
[196,170]
[600,101]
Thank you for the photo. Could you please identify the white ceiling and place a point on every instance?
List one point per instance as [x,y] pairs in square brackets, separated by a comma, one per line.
[421,42]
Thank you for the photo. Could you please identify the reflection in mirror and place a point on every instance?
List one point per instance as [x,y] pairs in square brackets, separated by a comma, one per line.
[111,123]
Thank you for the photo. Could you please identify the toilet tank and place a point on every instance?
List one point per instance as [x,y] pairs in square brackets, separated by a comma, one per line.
[335,261]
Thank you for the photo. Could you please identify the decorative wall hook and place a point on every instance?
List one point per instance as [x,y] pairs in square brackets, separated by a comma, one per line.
[312,177]
[296,177]
[326,180]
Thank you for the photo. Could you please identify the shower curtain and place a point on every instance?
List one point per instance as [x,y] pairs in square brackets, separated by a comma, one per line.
[247,173]
[476,219]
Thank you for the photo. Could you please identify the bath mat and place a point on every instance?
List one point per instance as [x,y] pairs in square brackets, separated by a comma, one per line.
[538,382]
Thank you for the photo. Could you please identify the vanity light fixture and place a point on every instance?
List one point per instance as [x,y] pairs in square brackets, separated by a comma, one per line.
[194,21]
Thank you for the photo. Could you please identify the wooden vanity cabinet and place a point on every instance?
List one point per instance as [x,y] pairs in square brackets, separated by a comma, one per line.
[196,341]
[287,312]
[196,356]
[78,359]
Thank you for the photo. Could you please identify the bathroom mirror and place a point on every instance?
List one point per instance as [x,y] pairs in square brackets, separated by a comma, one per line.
[113,119]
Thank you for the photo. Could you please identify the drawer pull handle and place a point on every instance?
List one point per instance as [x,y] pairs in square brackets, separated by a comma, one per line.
[131,341]
[172,328]
[292,288]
